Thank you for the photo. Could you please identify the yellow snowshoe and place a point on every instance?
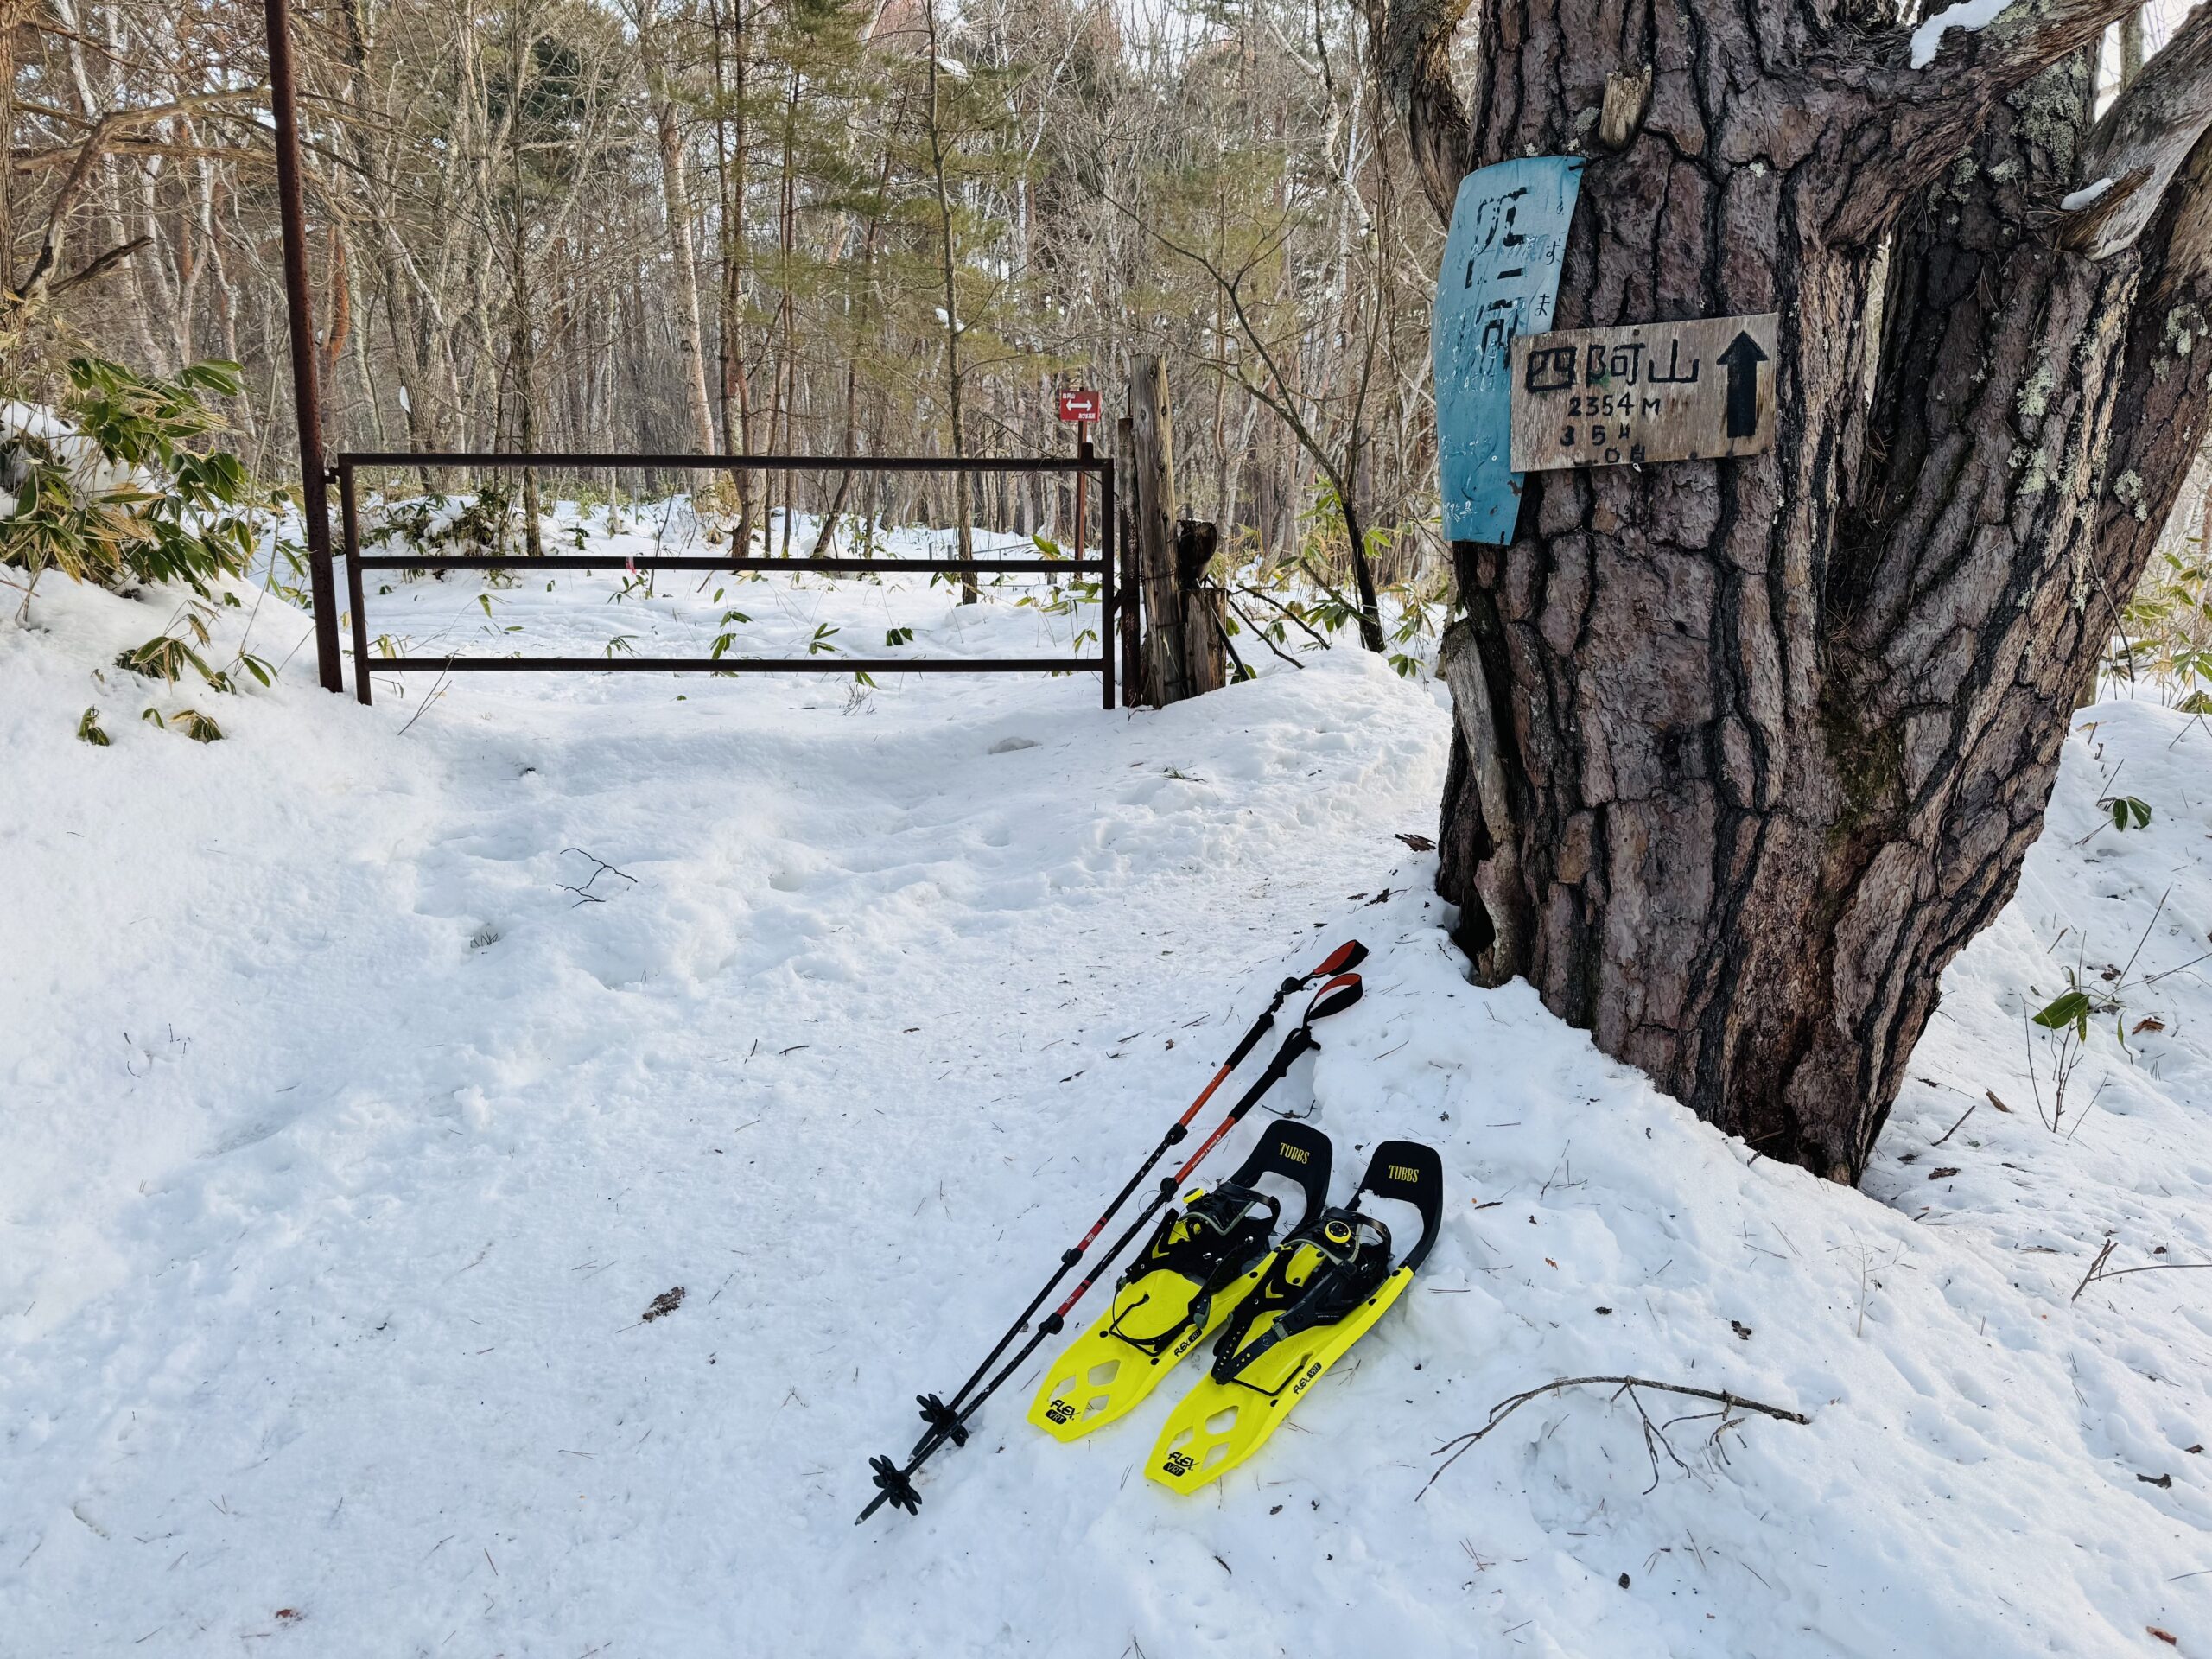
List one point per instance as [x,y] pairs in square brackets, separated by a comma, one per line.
[1320,1291]
[1200,1262]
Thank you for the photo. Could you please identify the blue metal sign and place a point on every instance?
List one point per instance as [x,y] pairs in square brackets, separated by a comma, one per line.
[1500,279]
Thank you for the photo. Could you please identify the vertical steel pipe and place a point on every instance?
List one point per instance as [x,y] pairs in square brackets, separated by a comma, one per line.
[349,511]
[307,394]
[1105,575]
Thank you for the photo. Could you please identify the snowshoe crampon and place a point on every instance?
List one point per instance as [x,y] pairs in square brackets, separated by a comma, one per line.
[1320,1291]
[1201,1262]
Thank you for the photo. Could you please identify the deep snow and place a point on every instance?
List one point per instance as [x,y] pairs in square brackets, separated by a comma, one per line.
[345,1148]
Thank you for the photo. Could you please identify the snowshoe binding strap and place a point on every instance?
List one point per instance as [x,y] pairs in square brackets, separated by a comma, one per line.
[1320,1274]
[1219,1234]
[1213,1240]
[1412,1173]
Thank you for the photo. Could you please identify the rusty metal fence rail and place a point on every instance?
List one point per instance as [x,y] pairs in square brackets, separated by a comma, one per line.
[1080,466]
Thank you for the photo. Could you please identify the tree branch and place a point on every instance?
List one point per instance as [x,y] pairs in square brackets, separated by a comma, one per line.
[1459,1445]
[2139,148]
[103,133]
[1973,65]
[2161,415]
[1925,91]
[34,286]
[1257,593]
[1409,42]
[85,273]
[1261,631]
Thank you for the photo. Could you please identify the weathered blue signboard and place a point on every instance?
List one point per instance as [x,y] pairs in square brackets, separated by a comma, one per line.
[1500,279]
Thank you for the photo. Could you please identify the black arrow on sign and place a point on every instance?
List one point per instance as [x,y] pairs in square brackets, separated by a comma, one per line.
[1742,360]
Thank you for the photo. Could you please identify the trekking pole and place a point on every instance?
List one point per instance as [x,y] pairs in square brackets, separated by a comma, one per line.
[894,1485]
[941,1415]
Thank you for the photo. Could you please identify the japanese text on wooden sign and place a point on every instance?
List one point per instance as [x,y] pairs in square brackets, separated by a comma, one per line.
[1693,391]
[1499,279]
[1078,405]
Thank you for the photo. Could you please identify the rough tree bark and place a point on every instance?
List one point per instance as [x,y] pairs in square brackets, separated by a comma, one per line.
[1746,752]
[1151,507]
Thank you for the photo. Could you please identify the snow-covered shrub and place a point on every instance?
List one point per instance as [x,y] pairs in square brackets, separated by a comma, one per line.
[108,487]
[486,523]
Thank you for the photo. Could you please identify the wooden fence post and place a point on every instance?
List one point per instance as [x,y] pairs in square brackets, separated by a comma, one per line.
[1136,693]
[1183,651]
[1152,470]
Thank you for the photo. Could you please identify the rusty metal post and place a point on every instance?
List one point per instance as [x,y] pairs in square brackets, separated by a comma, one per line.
[1082,483]
[1106,555]
[349,516]
[307,394]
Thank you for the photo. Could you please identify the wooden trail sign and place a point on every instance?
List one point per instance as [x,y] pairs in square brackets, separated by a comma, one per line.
[1695,391]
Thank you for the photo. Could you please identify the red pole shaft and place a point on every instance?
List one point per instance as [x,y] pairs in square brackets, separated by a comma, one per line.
[1204,1146]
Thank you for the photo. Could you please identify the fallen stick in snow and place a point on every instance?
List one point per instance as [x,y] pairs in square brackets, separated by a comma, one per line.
[1459,1445]
[2089,1277]
[1954,1129]
[2098,1272]
[584,894]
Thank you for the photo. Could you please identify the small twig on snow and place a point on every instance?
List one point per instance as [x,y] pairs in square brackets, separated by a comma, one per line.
[2103,1256]
[2146,939]
[1954,1129]
[584,894]
[2097,1273]
[1461,1445]
[443,683]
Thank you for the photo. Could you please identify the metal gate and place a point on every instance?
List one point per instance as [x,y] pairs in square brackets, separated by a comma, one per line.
[1081,466]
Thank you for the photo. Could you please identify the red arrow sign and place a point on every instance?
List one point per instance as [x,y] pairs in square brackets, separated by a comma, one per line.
[1080,405]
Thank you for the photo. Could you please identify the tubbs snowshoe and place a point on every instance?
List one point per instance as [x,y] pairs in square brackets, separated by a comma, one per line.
[1320,1291]
[1199,1263]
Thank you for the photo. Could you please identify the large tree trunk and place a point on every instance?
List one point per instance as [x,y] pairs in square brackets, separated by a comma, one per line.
[1747,750]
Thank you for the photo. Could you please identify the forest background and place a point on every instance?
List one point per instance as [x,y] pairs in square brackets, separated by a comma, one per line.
[794,226]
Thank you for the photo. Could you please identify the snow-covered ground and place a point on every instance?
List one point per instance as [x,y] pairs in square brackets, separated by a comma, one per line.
[345,1144]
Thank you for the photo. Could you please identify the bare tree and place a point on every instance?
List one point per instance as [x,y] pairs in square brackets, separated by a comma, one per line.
[675,195]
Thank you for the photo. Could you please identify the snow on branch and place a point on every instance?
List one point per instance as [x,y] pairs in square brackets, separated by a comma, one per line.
[1902,115]
[1969,15]
[2140,147]
[2007,42]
